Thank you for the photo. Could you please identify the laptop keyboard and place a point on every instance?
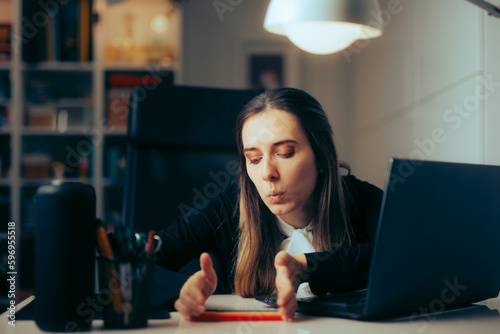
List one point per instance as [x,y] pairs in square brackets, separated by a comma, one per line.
[350,298]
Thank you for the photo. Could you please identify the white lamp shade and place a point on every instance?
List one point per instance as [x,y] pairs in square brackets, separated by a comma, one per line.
[324,26]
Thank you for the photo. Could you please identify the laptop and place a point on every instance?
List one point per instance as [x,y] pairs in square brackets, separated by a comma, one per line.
[437,245]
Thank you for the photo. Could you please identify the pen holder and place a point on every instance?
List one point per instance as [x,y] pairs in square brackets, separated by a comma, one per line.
[124,285]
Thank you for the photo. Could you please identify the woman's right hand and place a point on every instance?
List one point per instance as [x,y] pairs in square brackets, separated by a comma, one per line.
[197,289]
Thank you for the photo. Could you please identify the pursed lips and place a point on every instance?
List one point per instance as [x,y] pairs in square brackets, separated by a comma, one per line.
[276,196]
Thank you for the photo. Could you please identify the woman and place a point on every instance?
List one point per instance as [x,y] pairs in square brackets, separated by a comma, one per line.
[292,218]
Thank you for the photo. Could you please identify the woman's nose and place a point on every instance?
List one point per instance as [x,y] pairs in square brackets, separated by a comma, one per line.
[269,170]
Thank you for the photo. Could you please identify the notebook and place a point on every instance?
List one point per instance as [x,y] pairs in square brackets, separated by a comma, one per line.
[437,245]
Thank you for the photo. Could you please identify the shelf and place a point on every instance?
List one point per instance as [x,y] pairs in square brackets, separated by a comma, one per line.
[38,182]
[117,132]
[58,66]
[35,91]
[145,67]
[63,103]
[76,131]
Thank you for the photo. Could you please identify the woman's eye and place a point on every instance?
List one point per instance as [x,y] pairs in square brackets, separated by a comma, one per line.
[253,160]
[285,155]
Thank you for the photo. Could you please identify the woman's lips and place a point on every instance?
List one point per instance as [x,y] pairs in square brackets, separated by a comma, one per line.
[276,197]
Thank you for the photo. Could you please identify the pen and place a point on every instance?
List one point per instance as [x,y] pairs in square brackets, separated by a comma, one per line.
[123,251]
[150,243]
[103,244]
[225,315]
[105,250]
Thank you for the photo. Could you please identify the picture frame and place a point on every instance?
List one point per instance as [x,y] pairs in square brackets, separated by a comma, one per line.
[265,65]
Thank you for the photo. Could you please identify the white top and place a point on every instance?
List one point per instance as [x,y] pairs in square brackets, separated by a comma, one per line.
[298,241]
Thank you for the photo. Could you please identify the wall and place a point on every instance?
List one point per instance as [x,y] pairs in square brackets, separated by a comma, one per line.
[419,91]
[214,46]
[127,27]
[492,105]
[410,93]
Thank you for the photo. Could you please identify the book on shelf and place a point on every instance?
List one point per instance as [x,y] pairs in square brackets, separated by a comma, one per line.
[118,95]
[131,80]
[4,157]
[4,116]
[66,34]
[52,31]
[5,49]
[85,30]
[4,210]
[36,165]
[4,87]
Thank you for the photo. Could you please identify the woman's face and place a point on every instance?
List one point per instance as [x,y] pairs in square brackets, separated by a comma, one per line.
[281,164]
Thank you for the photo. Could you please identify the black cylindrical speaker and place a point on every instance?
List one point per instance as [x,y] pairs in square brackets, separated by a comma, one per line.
[64,256]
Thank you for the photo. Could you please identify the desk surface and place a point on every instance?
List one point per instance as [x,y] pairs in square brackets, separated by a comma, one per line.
[482,318]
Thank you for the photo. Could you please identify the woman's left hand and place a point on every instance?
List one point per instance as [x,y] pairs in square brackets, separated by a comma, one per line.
[289,269]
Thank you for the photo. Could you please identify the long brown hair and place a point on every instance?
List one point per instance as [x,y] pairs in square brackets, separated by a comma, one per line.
[259,237]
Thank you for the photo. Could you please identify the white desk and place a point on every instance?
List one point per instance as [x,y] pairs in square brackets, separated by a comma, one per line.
[483,319]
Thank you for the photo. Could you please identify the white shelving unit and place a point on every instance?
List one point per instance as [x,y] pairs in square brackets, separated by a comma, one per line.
[22,137]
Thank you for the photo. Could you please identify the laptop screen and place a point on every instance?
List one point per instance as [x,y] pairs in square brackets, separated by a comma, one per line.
[437,241]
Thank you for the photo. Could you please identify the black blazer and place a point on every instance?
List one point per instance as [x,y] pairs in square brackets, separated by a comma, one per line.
[213,227]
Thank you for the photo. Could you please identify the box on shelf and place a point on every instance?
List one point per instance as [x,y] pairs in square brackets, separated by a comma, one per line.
[36,165]
[42,117]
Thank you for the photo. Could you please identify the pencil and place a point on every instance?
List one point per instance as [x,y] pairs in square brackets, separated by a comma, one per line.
[225,315]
